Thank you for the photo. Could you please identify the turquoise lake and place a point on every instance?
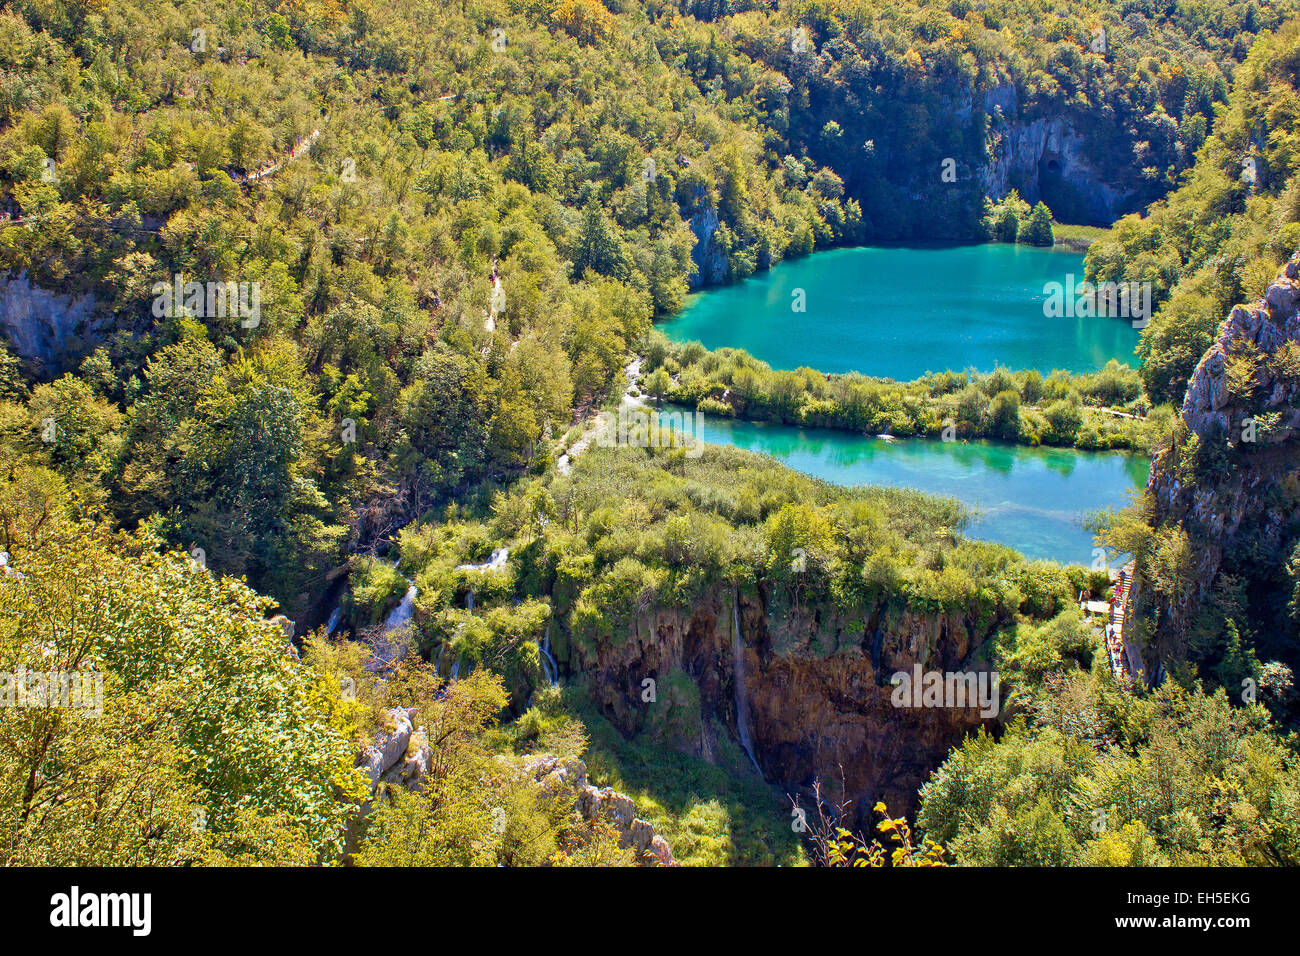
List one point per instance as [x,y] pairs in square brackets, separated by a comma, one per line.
[1033,499]
[902,312]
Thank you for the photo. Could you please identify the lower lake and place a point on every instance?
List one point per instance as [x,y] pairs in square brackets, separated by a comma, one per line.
[1032,499]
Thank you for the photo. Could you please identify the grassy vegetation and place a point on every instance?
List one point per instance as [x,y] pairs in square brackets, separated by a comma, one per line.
[1100,410]
[1078,237]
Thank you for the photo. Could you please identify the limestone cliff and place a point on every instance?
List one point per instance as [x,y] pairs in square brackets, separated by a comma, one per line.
[1238,443]
[1049,160]
[47,329]
[710,260]
[809,690]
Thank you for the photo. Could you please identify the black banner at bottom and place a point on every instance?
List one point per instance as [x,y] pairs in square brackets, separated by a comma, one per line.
[338,905]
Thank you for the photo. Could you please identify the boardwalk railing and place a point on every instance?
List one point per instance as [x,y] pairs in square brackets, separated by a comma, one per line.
[1120,665]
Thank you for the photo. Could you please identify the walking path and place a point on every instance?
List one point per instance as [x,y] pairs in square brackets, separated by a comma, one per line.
[1115,647]
[1123,660]
[303,145]
[564,465]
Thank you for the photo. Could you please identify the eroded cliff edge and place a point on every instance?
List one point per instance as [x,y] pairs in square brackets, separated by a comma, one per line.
[807,690]
[1223,492]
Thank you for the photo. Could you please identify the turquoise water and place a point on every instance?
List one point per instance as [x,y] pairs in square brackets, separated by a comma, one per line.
[902,312]
[1032,499]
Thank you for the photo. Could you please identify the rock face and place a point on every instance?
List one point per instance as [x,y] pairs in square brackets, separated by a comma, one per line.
[401,756]
[1051,159]
[1048,160]
[1239,442]
[47,329]
[603,804]
[816,690]
[708,258]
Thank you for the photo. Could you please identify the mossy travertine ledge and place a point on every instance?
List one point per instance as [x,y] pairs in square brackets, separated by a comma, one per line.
[814,682]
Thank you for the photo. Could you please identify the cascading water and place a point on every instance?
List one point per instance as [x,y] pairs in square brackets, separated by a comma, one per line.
[399,619]
[494,563]
[738,661]
[332,624]
[552,673]
[401,615]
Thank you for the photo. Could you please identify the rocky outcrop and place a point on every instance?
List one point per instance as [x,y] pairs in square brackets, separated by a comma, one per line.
[601,804]
[48,329]
[709,259]
[1238,443]
[815,685]
[400,756]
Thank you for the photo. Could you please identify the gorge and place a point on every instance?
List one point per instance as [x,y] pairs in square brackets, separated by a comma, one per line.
[366,585]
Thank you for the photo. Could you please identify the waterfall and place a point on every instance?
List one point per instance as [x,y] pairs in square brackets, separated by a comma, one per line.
[494,563]
[738,661]
[554,672]
[332,624]
[399,619]
[401,615]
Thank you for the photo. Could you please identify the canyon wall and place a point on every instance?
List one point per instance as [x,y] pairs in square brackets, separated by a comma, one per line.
[1059,160]
[808,690]
[1239,441]
[47,329]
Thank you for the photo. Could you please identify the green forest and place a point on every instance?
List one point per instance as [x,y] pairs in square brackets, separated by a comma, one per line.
[309,308]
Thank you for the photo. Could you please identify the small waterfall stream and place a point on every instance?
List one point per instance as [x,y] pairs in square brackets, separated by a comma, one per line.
[399,619]
[494,564]
[738,661]
[332,624]
[401,615]
[552,672]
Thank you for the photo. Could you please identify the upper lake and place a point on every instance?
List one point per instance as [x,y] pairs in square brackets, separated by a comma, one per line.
[901,312]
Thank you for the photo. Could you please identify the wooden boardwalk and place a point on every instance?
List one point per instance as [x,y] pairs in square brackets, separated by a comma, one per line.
[303,145]
[1121,657]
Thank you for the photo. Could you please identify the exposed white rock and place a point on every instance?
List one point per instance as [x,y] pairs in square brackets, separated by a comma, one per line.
[389,747]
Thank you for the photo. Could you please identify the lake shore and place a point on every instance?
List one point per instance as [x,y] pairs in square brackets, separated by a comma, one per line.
[1036,501]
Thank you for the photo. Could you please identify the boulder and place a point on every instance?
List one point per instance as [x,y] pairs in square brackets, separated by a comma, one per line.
[389,747]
